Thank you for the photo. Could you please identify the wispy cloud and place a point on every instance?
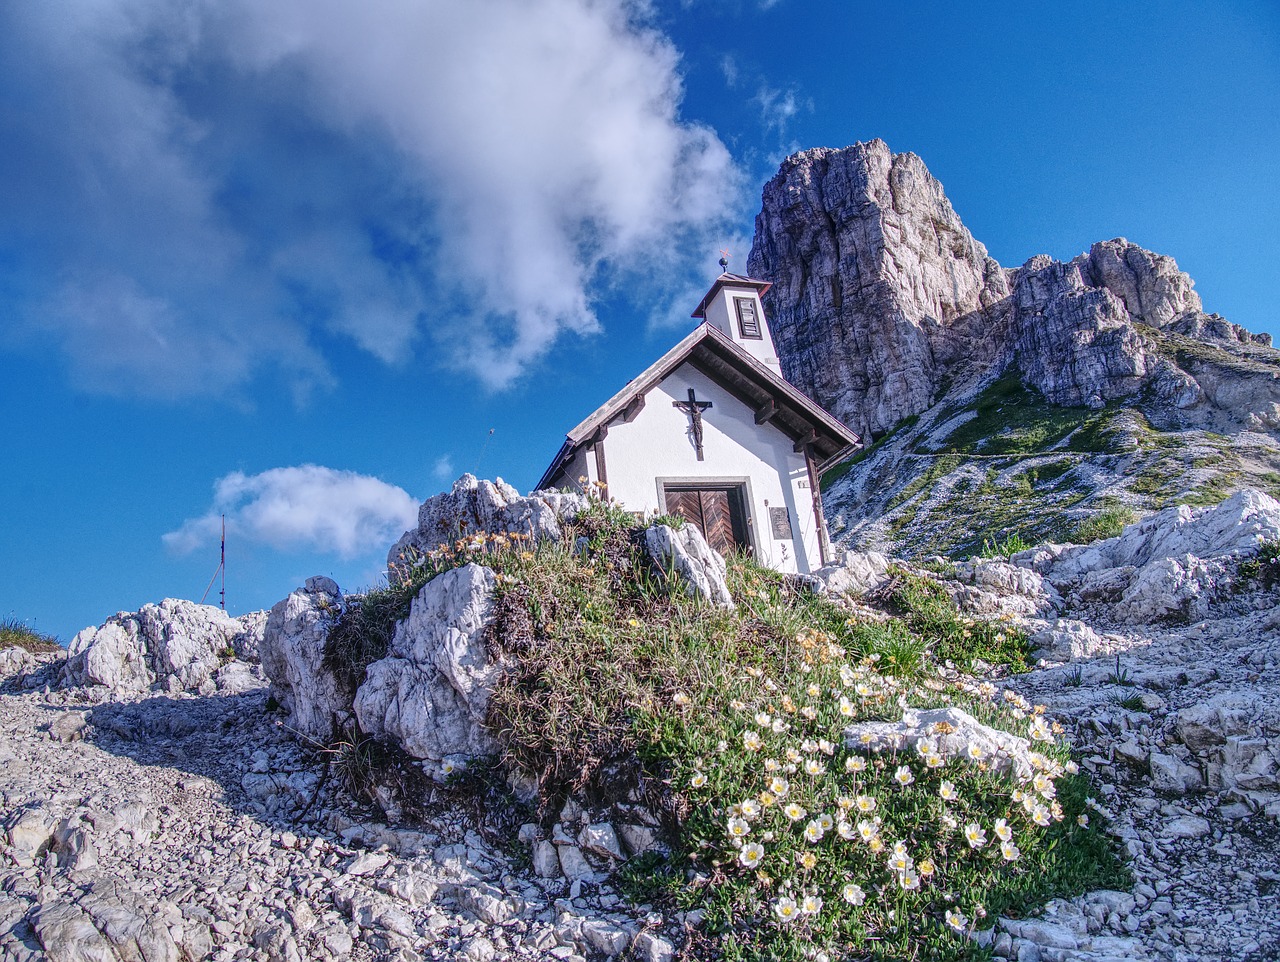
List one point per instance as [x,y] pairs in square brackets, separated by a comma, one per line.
[192,195]
[308,507]
[779,106]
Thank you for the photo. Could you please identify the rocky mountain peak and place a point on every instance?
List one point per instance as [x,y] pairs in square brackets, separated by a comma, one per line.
[882,298]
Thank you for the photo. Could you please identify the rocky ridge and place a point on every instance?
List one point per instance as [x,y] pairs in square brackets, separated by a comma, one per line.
[887,312]
[165,823]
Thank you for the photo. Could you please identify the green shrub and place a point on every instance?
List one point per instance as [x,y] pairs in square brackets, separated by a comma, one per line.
[1263,569]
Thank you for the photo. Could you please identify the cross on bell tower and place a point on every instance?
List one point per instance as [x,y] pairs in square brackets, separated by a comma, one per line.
[694,408]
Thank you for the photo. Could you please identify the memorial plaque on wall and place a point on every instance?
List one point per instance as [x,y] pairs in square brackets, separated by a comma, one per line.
[780,521]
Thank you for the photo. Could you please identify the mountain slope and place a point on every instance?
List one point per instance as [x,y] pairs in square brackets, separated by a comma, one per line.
[1027,401]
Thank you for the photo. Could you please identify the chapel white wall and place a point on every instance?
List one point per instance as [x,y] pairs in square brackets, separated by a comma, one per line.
[657,445]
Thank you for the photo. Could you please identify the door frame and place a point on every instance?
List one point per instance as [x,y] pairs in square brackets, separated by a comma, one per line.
[741,482]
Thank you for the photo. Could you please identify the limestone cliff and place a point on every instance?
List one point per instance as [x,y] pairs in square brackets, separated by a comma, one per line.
[884,309]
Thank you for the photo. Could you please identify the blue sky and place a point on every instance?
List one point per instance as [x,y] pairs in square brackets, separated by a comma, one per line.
[306,261]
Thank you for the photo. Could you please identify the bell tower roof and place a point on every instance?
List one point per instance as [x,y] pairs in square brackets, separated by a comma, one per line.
[729,280]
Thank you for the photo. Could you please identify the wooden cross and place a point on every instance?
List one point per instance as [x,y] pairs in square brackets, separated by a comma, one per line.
[694,408]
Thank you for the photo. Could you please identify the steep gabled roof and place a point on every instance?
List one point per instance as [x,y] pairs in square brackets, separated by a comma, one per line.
[713,353]
[737,280]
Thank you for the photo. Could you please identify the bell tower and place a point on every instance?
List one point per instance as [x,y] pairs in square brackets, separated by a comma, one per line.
[733,306]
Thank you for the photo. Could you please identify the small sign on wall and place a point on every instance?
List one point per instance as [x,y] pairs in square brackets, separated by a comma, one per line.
[780,521]
[802,484]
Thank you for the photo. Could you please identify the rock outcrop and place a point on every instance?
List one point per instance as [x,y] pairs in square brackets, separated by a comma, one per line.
[174,645]
[474,507]
[430,694]
[881,298]
[292,652]
[1173,565]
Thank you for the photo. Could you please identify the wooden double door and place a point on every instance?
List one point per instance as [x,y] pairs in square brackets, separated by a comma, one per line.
[719,511]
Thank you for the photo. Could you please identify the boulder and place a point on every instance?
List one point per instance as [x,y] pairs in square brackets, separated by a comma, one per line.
[292,652]
[430,694]
[684,558]
[171,645]
[855,574]
[954,730]
[475,507]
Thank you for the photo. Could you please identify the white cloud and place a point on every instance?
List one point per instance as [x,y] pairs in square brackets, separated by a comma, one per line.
[220,183]
[304,507]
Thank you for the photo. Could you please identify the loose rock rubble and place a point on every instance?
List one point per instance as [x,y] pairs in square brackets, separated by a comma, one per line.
[1163,666]
[176,817]
[164,827]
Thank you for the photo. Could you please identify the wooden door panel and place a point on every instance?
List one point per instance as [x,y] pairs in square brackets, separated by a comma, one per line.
[686,504]
[717,523]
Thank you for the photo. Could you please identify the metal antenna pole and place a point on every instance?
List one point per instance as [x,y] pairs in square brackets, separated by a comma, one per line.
[222,564]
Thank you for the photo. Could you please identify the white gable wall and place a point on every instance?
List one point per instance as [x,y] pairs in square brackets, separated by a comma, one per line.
[658,446]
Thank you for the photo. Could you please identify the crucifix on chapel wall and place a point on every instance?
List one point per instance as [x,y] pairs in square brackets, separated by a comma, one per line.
[694,408]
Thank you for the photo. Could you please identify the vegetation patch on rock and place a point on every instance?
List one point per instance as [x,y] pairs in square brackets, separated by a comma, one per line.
[733,725]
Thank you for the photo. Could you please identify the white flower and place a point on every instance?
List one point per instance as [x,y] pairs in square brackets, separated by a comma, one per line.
[738,828]
[786,909]
[1003,831]
[813,691]
[680,699]
[813,832]
[868,830]
[751,741]
[855,764]
[794,812]
[865,803]
[1009,851]
[847,707]
[750,808]
[975,835]
[1082,819]
[845,830]
[956,921]
[947,790]
[779,787]
[751,854]
[1040,815]
[763,718]
[909,880]
[826,747]
[811,905]
[976,752]
[814,767]
[903,776]
[737,704]
[698,780]
[853,894]
[826,821]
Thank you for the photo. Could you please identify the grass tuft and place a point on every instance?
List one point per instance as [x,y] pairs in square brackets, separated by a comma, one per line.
[16,634]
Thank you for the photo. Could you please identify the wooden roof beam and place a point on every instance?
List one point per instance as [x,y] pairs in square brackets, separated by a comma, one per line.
[805,441]
[766,411]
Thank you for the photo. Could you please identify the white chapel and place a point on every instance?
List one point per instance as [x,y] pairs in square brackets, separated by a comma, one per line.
[712,431]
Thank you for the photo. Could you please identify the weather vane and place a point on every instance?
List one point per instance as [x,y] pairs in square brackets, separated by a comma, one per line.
[724,261]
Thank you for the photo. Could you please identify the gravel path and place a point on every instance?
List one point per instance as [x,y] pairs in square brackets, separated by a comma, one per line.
[161,829]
